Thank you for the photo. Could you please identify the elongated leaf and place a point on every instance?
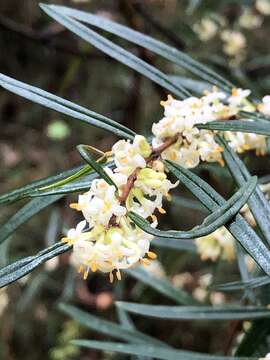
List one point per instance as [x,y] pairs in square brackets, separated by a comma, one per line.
[156,46]
[254,116]
[242,285]
[246,126]
[212,222]
[116,52]
[186,245]
[163,286]
[195,86]
[244,272]
[152,351]
[83,171]
[22,267]
[258,203]
[85,154]
[106,327]
[239,228]
[24,214]
[36,189]
[65,107]
[23,192]
[196,312]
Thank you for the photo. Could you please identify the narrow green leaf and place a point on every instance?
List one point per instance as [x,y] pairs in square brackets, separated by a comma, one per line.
[258,203]
[24,214]
[196,86]
[65,107]
[115,51]
[239,228]
[254,116]
[246,126]
[170,53]
[22,267]
[23,192]
[211,223]
[196,312]
[242,285]
[86,155]
[106,327]
[83,171]
[152,351]
[183,245]
[163,286]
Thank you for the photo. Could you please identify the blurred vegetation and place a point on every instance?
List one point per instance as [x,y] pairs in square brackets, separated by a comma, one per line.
[36,142]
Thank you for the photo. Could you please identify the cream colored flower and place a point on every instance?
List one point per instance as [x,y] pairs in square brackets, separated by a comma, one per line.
[129,156]
[263,6]
[264,107]
[218,244]
[249,20]
[206,29]
[234,42]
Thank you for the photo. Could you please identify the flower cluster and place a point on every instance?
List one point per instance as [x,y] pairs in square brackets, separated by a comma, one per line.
[194,145]
[233,35]
[107,239]
[112,241]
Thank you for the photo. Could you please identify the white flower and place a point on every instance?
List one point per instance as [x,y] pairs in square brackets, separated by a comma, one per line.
[234,42]
[265,106]
[206,29]
[76,234]
[112,249]
[129,156]
[263,6]
[249,20]
[238,100]
[218,244]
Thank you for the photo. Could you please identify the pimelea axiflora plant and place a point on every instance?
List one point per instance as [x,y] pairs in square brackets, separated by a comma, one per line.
[122,192]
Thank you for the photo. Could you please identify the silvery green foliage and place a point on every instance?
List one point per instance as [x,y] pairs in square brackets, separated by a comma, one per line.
[44,192]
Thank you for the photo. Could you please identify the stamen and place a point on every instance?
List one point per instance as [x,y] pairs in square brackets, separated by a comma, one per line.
[80,269]
[111,277]
[118,275]
[93,267]
[161,210]
[85,275]
[75,206]
[154,218]
[152,255]
[145,262]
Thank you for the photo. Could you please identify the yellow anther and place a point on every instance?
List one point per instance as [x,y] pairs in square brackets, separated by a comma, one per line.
[80,269]
[93,267]
[65,239]
[75,206]
[152,255]
[154,218]
[145,262]
[111,277]
[118,275]
[161,210]
[234,92]
[85,274]
[219,149]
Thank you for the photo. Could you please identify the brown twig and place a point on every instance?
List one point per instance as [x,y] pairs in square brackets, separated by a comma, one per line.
[156,152]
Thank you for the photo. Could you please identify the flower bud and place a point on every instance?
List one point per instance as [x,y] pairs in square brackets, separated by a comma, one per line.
[142,146]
